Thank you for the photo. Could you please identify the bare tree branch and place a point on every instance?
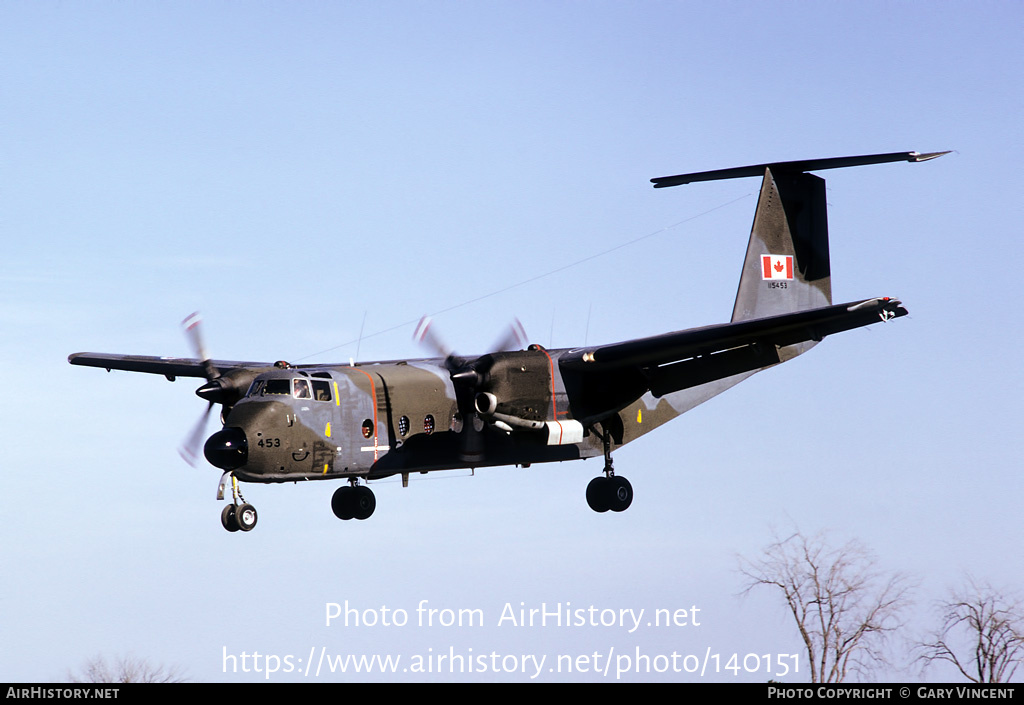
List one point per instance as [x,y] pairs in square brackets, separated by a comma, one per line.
[981,634]
[126,670]
[843,607]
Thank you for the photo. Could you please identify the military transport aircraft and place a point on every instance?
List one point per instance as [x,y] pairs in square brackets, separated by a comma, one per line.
[365,421]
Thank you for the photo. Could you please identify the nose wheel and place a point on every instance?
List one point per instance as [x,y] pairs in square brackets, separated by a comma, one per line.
[239,515]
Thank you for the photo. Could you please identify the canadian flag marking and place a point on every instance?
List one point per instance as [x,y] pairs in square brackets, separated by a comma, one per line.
[776,266]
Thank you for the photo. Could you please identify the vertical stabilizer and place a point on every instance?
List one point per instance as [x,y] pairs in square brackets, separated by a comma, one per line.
[786,268]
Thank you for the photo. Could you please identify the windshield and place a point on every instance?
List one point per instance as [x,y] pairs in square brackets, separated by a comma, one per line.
[278,386]
[299,388]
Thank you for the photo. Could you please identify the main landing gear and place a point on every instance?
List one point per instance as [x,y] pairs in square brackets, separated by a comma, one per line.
[353,502]
[239,515]
[609,491]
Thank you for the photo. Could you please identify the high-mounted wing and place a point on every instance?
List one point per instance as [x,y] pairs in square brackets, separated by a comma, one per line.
[173,367]
[169,367]
[672,362]
[787,329]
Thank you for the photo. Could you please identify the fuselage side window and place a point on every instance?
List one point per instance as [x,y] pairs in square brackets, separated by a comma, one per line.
[301,389]
[321,390]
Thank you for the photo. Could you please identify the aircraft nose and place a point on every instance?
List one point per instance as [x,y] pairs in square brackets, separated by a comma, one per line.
[227,449]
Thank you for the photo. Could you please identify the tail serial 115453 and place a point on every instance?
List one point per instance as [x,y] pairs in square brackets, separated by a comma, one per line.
[519,405]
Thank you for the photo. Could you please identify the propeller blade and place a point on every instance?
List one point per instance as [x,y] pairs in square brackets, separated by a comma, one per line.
[193,332]
[191,449]
[425,335]
[514,339]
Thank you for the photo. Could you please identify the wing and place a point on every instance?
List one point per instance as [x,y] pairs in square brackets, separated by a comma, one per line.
[169,367]
[603,379]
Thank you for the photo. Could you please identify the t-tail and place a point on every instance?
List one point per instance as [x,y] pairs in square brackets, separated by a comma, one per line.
[786,268]
[783,308]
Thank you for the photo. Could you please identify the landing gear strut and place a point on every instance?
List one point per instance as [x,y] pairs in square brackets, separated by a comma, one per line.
[239,515]
[609,491]
[353,502]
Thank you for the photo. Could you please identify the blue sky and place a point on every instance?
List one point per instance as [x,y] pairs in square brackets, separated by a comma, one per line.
[294,170]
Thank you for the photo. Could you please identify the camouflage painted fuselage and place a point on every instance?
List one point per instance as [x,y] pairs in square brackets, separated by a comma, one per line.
[389,418]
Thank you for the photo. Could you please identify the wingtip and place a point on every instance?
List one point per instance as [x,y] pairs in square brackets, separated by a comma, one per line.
[806,165]
[927,156]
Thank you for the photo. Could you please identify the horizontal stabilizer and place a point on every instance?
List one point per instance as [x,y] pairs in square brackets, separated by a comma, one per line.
[792,167]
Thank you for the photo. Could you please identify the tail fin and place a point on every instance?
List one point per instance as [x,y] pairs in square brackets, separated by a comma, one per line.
[787,264]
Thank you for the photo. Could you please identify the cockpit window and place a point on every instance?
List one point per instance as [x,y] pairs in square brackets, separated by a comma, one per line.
[277,386]
[321,390]
[298,388]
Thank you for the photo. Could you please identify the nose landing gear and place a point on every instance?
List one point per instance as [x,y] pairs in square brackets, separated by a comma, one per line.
[239,515]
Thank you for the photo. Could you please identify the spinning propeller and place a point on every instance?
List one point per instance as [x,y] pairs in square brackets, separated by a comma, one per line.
[469,377]
[223,389]
[191,447]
